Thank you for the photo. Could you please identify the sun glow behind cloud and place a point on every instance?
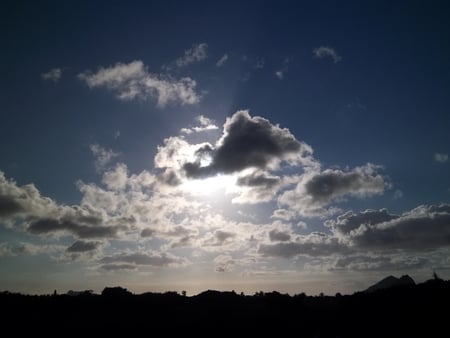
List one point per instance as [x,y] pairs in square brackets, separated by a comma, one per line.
[216,185]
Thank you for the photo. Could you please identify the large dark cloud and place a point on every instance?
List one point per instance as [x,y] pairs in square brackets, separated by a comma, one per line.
[247,142]
[423,228]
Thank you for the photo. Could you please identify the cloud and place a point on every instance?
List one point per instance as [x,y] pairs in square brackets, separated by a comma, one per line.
[133,81]
[46,226]
[423,228]
[247,142]
[317,189]
[224,263]
[151,259]
[315,244]
[324,52]
[379,263]
[53,75]
[205,125]
[222,60]
[280,73]
[441,158]
[256,187]
[23,248]
[102,156]
[83,246]
[279,236]
[118,267]
[197,53]
[117,178]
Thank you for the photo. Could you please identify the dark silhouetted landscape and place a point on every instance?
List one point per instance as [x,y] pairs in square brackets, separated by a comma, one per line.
[394,307]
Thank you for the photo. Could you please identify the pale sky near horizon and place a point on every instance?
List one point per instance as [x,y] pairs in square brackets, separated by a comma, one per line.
[259,145]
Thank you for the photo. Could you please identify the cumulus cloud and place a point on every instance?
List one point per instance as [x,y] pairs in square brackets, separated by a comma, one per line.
[379,263]
[222,60]
[53,75]
[256,187]
[134,81]
[317,189]
[441,158]
[103,156]
[196,53]
[247,142]
[423,229]
[324,52]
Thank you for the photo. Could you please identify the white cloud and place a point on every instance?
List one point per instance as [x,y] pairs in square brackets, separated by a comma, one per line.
[53,74]
[103,156]
[324,52]
[284,68]
[441,158]
[205,125]
[197,53]
[133,81]
[222,60]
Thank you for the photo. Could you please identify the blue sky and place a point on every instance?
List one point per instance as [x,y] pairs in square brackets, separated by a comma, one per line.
[284,145]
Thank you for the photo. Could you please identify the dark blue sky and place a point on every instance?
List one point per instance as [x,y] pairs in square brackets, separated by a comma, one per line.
[358,82]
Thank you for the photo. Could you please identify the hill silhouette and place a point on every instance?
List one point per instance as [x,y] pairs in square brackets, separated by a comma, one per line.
[406,310]
[390,282]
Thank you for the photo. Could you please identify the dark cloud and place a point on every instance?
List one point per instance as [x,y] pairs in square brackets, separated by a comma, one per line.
[315,244]
[82,246]
[423,228]
[316,189]
[147,232]
[329,184]
[351,221]
[279,236]
[247,142]
[379,263]
[258,180]
[9,206]
[152,259]
[219,238]
[48,225]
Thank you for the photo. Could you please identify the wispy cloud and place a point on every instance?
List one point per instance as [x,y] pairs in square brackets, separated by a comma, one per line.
[53,75]
[280,73]
[103,156]
[222,60]
[324,52]
[133,81]
[441,158]
[197,53]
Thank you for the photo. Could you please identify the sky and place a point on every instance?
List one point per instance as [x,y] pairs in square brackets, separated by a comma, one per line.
[298,146]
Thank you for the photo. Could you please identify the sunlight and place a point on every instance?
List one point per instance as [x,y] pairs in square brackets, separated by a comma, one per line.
[209,186]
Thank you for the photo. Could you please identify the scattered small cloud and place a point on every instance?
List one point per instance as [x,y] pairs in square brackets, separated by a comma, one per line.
[324,52]
[53,75]
[222,60]
[205,125]
[441,158]
[196,53]
[398,194]
[280,73]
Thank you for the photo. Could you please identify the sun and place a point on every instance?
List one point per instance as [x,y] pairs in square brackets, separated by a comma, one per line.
[209,186]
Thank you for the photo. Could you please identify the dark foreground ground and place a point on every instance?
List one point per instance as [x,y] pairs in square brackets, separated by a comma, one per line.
[408,311]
